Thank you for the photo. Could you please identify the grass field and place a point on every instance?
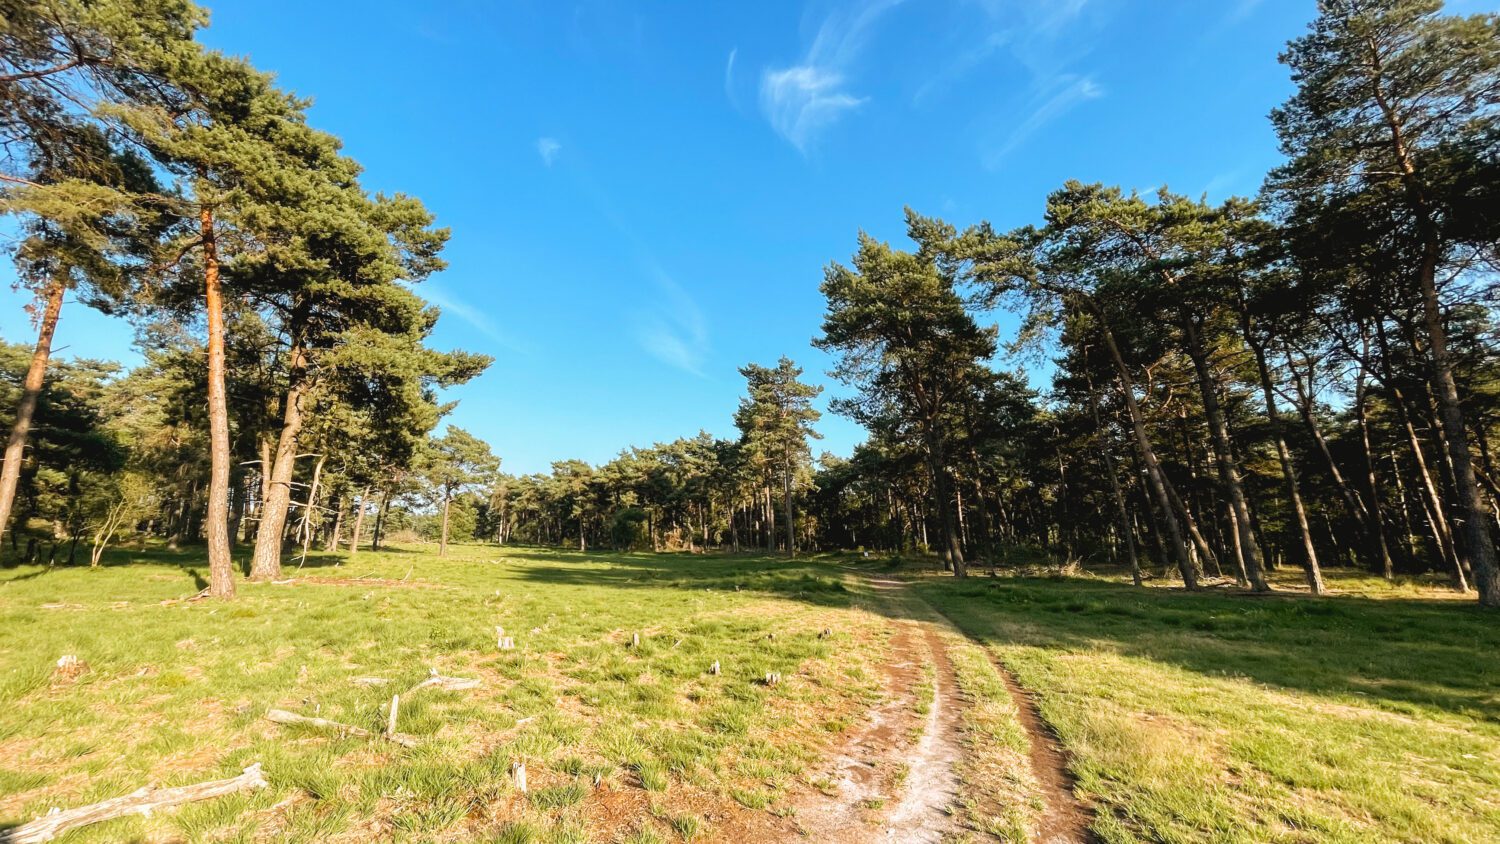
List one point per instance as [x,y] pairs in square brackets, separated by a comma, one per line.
[1185,717]
[176,692]
[1371,716]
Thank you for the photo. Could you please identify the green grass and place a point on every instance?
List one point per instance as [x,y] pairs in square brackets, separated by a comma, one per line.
[175,692]
[1372,716]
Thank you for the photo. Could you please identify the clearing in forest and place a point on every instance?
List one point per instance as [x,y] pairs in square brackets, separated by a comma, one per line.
[871,703]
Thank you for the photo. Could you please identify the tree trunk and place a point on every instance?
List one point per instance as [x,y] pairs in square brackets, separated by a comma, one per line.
[1372,488]
[1288,472]
[1229,473]
[380,516]
[1432,501]
[1476,546]
[443,540]
[1154,476]
[1406,521]
[336,536]
[266,563]
[942,487]
[1198,542]
[238,494]
[770,511]
[361,503]
[31,390]
[1121,511]
[220,564]
[308,509]
[1352,502]
[786,500]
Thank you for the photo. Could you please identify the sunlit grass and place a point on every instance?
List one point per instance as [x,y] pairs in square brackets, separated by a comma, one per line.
[1371,716]
[176,691]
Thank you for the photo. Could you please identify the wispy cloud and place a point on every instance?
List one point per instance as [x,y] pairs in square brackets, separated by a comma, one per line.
[1242,10]
[548,149]
[668,324]
[1222,185]
[1042,37]
[1044,40]
[674,331]
[1233,14]
[449,303]
[1041,44]
[1067,92]
[729,74]
[802,99]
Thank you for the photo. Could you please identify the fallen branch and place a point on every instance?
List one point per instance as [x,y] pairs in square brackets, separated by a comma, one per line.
[143,801]
[447,684]
[197,596]
[281,716]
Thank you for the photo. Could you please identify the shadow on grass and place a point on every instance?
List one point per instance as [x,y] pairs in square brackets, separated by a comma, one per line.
[811,580]
[1405,652]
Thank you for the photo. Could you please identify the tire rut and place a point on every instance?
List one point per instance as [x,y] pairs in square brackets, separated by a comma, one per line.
[869,800]
[1066,819]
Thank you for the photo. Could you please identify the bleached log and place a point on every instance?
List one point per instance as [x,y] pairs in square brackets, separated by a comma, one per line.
[390,724]
[143,801]
[281,716]
[447,684]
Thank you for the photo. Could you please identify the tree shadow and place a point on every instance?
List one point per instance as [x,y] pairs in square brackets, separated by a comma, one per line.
[199,581]
[809,580]
[18,577]
[1403,652]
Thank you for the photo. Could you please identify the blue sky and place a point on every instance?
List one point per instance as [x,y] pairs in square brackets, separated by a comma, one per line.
[643,195]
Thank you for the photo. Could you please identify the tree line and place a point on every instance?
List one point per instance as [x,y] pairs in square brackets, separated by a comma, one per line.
[1305,378]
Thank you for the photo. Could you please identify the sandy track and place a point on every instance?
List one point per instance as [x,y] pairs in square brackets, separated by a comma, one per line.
[894,780]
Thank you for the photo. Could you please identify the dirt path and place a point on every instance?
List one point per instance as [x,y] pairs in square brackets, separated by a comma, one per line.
[1065,819]
[885,785]
[931,785]
[895,779]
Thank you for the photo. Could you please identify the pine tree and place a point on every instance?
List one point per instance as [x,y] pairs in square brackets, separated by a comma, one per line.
[1395,121]
[776,420]
[910,347]
[456,463]
[85,202]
